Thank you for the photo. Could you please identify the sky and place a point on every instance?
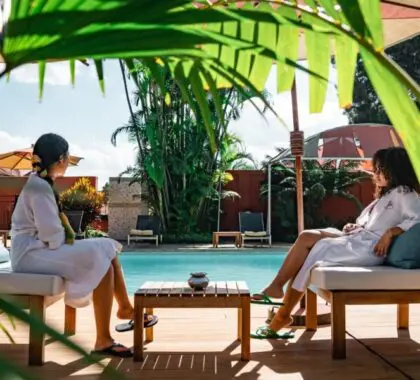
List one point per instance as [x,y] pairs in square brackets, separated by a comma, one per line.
[86,118]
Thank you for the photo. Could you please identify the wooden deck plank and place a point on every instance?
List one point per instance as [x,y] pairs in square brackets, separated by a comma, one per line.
[221,289]
[177,289]
[166,288]
[144,287]
[242,288]
[211,289]
[232,288]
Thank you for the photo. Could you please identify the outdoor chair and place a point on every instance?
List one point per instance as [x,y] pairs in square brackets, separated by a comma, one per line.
[148,227]
[251,225]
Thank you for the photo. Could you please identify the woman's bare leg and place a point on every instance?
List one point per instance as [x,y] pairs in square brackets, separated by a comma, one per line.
[102,305]
[283,316]
[294,260]
[125,308]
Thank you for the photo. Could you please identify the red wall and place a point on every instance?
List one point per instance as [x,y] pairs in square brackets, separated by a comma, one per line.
[248,183]
[10,187]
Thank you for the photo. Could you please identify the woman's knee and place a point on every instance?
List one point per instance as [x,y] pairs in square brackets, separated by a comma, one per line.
[309,237]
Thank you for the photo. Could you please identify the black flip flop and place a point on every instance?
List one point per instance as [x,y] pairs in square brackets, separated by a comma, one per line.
[111,351]
[128,326]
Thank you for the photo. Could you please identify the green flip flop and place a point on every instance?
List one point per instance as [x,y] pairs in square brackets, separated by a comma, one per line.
[265,300]
[265,332]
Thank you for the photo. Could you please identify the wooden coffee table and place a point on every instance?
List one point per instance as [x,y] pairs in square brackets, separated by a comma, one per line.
[235,234]
[221,294]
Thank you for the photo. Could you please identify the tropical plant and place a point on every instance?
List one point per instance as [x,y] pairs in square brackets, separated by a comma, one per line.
[175,159]
[83,196]
[320,181]
[219,45]
[366,107]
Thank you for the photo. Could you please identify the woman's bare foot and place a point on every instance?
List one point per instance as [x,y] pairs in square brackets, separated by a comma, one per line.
[280,322]
[126,313]
[272,290]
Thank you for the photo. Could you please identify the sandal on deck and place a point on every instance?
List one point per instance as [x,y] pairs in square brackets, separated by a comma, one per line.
[265,300]
[149,321]
[265,332]
[113,351]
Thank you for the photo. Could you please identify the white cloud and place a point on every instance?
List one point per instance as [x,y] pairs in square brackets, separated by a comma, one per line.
[102,161]
[56,74]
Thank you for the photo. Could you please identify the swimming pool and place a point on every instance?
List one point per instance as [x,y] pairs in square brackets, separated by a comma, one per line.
[256,268]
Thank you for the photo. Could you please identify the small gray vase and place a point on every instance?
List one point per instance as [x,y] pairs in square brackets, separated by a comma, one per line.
[198,280]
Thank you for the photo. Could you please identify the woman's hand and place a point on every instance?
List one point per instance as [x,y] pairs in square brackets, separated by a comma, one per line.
[384,243]
[382,246]
[350,227]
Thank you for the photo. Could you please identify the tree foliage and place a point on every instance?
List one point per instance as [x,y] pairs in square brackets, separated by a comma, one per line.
[175,158]
[367,107]
[320,181]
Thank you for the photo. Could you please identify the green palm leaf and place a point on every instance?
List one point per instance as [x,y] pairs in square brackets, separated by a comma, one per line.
[236,46]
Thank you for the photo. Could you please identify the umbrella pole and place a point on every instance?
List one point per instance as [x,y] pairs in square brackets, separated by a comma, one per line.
[297,148]
[296,139]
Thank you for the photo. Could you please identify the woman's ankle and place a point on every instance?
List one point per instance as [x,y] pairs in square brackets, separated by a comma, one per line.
[280,321]
[103,342]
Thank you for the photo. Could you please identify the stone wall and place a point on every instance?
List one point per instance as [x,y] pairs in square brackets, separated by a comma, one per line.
[125,203]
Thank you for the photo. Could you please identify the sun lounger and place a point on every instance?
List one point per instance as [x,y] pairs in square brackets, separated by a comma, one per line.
[148,227]
[35,292]
[342,286]
[251,225]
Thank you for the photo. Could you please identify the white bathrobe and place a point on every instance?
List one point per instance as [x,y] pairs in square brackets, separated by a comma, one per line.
[38,245]
[398,208]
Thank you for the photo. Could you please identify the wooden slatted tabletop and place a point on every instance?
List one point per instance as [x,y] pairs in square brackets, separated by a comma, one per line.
[220,294]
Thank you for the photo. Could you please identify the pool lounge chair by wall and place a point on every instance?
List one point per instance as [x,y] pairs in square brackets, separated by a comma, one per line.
[148,227]
[251,225]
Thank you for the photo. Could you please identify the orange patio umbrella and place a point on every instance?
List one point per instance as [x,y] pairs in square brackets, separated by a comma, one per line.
[21,159]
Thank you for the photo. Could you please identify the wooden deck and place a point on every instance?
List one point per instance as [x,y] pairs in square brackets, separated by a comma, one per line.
[200,344]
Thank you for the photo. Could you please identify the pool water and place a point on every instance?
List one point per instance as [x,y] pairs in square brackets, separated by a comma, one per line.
[256,268]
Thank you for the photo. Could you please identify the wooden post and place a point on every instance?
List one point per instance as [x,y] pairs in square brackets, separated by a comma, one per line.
[246,328]
[311,311]
[138,328]
[338,326]
[36,338]
[149,330]
[239,323]
[403,316]
[69,321]
[298,153]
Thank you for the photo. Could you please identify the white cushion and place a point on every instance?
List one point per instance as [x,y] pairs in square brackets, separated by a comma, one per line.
[365,278]
[255,233]
[141,232]
[31,284]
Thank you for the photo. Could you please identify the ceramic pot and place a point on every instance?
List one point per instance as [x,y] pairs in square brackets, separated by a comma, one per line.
[198,280]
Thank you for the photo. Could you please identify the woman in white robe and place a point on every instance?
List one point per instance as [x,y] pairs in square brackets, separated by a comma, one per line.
[364,243]
[43,243]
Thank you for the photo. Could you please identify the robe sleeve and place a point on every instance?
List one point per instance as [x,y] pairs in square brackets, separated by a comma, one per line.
[410,210]
[47,222]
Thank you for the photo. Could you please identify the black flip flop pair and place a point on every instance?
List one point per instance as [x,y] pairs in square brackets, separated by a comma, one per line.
[150,320]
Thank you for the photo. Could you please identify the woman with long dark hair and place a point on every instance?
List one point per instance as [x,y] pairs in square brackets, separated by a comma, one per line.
[43,242]
[366,242]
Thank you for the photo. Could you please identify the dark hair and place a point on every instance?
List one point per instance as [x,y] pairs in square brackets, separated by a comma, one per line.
[49,149]
[394,163]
